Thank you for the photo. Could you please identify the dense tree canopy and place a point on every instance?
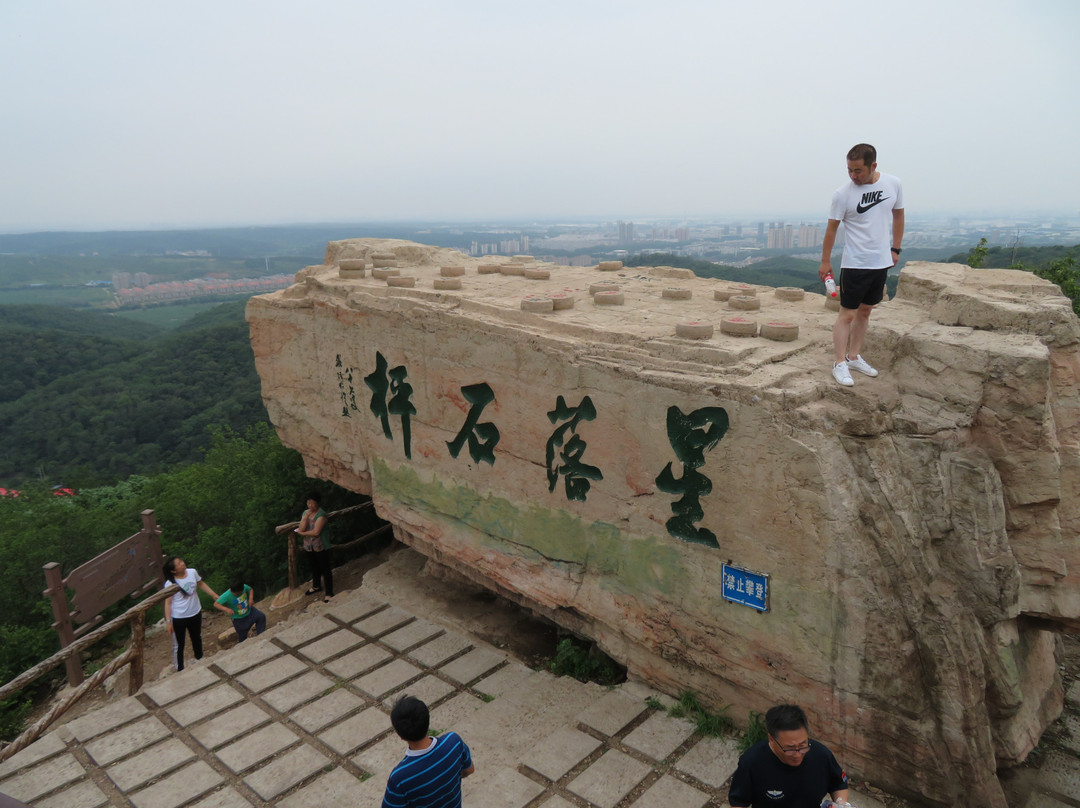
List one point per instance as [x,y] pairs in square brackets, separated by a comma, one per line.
[85,417]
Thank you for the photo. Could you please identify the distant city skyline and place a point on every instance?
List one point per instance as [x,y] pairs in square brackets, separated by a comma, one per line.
[123,115]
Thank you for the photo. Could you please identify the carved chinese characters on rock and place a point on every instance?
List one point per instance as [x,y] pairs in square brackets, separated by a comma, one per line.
[691,436]
[481,437]
[576,473]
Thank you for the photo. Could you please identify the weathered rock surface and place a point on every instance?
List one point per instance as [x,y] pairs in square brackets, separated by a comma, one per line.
[919,531]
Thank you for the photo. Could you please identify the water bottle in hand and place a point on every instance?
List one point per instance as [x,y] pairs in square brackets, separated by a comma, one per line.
[830,285]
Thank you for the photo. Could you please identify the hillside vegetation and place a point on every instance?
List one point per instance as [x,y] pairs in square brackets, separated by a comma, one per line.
[91,398]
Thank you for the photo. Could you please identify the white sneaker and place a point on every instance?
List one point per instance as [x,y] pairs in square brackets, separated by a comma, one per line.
[861,365]
[841,374]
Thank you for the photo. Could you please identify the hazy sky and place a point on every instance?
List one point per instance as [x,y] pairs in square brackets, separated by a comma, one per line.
[149,114]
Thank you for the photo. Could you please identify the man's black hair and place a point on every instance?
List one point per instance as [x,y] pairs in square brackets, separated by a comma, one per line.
[410,718]
[237,588]
[864,152]
[785,717]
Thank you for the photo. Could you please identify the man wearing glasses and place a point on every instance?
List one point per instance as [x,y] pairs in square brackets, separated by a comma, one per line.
[787,770]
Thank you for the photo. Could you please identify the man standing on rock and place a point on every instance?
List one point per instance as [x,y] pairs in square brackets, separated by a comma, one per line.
[430,775]
[866,206]
[787,769]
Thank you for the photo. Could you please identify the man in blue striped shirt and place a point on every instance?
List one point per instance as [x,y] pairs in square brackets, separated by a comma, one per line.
[430,774]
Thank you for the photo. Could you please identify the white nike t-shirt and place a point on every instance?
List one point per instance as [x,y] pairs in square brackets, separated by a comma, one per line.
[866,214]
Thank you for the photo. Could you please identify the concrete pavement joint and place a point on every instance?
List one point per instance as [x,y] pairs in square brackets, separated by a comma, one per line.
[95,774]
[201,752]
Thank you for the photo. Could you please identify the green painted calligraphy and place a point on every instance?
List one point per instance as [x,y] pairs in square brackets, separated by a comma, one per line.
[483,437]
[576,473]
[382,382]
[691,436]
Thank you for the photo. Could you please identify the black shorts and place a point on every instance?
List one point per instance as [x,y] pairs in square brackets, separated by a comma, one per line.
[860,287]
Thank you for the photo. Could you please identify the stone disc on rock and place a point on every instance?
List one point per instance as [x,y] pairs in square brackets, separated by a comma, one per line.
[384,262]
[609,266]
[382,273]
[694,330]
[790,293]
[562,301]
[451,272]
[537,303]
[738,327]
[511,269]
[352,268]
[724,293]
[744,302]
[603,286]
[488,269]
[677,293]
[522,259]
[447,283]
[537,274]
[609,298]
[780,331]
[397,280]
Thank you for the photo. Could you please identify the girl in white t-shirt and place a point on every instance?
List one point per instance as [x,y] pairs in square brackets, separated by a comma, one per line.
[183,611]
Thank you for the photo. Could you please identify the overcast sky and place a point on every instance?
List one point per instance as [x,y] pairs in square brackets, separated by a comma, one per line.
[153,114]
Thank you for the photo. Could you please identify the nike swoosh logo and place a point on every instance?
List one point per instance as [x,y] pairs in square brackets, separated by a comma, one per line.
[861,209]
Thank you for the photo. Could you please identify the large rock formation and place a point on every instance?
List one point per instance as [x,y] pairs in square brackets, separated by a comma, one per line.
[918,531]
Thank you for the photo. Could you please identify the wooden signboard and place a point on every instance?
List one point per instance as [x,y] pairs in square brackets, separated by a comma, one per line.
[127,568]
[130,568]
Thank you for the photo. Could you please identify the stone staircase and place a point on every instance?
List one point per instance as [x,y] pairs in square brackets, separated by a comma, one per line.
[300,717]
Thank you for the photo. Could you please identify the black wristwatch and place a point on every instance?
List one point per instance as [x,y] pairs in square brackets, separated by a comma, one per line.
[896,250]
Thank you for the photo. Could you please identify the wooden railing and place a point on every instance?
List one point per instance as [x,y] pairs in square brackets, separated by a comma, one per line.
[288,528]
[136,618]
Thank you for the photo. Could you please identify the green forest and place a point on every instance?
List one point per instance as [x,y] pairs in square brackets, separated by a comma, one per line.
[90,398]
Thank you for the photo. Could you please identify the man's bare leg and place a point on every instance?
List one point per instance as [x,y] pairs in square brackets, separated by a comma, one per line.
[842,333]
[860,319]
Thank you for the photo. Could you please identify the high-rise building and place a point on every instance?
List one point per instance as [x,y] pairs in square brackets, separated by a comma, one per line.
[626,232]
[781,236]
[809,235]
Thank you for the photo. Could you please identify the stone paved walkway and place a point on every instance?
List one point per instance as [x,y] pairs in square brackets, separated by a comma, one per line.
[301,719]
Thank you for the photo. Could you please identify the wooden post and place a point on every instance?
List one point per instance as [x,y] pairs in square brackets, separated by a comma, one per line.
[292,560]
[138,643]
[152,532]
[58,596]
